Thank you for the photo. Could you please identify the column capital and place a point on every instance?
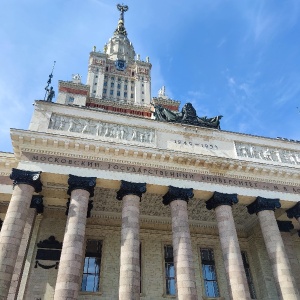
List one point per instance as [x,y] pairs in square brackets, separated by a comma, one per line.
[221,199]
[131,188]
[175,193]
[37,203]
[261,204]
[27,177]
[285,226]
[294,212]
[81,183]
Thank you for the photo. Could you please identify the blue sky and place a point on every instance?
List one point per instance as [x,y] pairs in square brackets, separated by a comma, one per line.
[237,58]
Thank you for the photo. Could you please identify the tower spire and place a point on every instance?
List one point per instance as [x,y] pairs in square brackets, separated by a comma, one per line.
[121,28]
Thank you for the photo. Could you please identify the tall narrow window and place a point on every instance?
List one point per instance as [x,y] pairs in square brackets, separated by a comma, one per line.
[209,273]
[248,275]
[169,271]
[92,265]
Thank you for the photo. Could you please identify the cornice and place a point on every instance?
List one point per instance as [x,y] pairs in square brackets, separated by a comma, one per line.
[137,154]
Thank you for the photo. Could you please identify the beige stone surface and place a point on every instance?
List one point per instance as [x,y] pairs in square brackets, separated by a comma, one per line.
[285,282]
[19,266]
[292,256]
[232,254]
[129,287]
[182,251]
[11,234]
[70,267]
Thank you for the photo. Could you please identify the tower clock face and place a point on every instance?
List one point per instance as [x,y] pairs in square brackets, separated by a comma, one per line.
[120,65]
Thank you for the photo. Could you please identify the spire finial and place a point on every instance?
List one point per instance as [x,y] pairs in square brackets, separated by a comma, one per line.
[121,28]
[50,91]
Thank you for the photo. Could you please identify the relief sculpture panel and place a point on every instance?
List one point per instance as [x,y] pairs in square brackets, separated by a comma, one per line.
[103,129]
[267,153]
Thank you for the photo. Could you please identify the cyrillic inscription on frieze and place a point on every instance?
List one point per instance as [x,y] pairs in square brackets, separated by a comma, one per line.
[103,129]
[267,153]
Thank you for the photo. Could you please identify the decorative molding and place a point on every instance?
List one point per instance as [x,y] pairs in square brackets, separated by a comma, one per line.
[285,226]
[50,243]
[102,129]
[37,203]
[267,153]
[221,199]
[27,177]
[131,188]
[37,263]
[175,193]
[261,204]
[294,212]
[81,183]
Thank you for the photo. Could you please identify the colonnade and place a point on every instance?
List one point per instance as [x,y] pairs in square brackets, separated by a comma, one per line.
[82,188]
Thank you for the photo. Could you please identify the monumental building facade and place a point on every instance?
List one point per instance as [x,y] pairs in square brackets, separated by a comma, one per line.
[112,194]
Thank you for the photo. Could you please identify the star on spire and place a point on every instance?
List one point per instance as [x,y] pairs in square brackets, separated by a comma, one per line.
[121,28]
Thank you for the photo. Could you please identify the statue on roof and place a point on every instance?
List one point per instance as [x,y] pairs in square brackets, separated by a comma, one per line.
[187,116]
[121,28]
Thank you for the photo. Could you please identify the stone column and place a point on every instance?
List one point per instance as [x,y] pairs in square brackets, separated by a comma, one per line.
[285,282]
[36,207]
[129,284]
[285,227]
[72,254]
[182,247]
[232,257]
[25,184]
[294,212]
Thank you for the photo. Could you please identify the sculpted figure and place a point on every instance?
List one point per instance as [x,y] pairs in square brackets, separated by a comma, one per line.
[187,115]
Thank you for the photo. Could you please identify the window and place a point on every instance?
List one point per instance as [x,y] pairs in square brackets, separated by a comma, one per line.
[248,275]
[119,78]
[209,273]
[96,76]
[169,271]
[71,100]
[111,92]
[125,87]
[92,265]
[94,91]
[118,93]
[104,91]
[142,84]
[112,78]
[119,85]
[143,92]
[131,96]
[105,83]
[106,69]
[132,88]
[125,95]
[112,84]
[95,83]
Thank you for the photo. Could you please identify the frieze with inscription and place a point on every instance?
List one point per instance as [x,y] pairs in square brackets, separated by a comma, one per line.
[103,129]
[267,153]
[164,173]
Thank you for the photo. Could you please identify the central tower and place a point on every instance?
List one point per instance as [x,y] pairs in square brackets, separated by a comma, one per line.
[117,74]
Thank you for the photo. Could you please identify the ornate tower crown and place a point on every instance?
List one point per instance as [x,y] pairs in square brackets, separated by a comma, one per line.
[121,28]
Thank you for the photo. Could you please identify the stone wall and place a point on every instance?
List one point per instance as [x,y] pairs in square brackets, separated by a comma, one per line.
[41,282]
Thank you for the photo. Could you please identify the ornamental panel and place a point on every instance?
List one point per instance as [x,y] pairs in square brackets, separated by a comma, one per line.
[102,129]
[267,153]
